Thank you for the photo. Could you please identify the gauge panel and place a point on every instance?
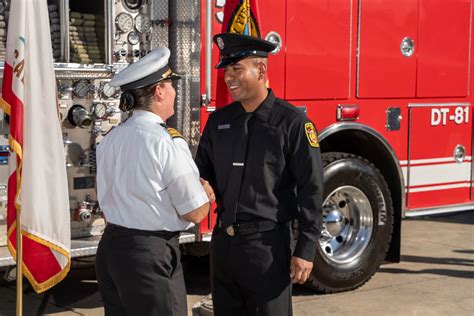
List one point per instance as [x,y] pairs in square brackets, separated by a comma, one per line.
[133,38]
[100,110]
[124,22]
[81,88]
[142,23]
[108,91]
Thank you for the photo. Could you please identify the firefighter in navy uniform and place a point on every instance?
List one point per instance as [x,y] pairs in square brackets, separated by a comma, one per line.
[261,156]
[149,190]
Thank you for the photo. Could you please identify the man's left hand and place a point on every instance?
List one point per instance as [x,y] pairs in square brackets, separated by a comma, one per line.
[300,270]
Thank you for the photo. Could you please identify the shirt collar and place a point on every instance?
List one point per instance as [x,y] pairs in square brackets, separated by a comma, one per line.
[264,109]
[147,116]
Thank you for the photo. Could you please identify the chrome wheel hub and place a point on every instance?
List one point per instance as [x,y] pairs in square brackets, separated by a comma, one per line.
[335,222]
[347,225]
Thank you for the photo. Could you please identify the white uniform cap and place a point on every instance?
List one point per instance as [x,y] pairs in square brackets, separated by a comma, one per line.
[146,71]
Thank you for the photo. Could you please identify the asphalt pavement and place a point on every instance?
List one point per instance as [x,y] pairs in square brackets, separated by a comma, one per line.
[435,277]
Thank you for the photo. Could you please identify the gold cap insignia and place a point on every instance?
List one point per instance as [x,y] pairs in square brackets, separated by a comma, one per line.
[167,73]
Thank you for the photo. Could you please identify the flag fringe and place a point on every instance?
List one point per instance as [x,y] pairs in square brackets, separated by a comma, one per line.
[52,281]
[5,106]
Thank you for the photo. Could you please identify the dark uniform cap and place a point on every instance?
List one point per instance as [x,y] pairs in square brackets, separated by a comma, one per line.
[146,71]
[235,47]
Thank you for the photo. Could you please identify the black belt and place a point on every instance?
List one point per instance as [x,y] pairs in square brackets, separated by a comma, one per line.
[159,233]
[252,227]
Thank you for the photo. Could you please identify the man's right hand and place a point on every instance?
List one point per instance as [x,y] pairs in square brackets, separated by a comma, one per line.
[209,191]
[201,212]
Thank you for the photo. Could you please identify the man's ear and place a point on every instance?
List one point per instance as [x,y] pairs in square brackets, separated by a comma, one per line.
[262,70]
[159,93]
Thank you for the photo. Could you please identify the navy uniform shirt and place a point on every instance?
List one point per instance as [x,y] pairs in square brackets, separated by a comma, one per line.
[282,178]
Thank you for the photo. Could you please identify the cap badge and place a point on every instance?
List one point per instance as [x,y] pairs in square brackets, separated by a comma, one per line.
[311,134]
[220,43]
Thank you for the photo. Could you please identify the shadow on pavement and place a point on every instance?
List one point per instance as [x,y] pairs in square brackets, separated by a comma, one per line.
[300,290]
[445,272]
[79,290]
[466,217]
[449,261]
[76,291]
[464,251]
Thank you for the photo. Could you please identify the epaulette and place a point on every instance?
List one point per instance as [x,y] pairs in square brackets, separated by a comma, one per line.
[172,131]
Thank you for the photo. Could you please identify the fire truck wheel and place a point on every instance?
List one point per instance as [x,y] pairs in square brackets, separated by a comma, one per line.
[357,224]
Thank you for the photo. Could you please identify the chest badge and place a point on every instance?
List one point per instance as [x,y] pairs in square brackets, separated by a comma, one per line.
[223,126]
[311,134]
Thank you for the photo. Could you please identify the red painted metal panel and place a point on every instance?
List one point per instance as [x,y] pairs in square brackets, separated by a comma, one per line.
[439,198]
[435,178]
[273,19]
[383,70]
[318,49]
[272,15]
[443,48]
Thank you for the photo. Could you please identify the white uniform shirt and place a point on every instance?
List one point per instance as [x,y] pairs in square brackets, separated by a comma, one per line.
[145,178]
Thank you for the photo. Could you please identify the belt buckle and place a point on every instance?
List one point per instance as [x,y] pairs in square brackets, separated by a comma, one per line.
[230,230]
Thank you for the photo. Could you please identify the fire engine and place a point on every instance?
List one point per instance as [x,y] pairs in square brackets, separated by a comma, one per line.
[387,83]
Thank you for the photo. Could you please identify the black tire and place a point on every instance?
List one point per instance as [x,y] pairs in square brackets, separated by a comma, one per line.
[333,271]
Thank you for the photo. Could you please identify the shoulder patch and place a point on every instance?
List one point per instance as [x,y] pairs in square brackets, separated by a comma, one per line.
[311,134]
[174,133]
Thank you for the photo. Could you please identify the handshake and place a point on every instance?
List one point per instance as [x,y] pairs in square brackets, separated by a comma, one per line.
[197,215]
[209,191]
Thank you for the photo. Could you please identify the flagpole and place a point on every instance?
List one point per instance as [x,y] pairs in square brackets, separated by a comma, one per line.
[19,266]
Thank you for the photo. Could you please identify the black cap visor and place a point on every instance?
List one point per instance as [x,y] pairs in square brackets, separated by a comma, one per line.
[235,57]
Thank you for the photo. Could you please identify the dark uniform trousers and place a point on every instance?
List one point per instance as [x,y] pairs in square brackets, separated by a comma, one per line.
[250,274]
[140,273]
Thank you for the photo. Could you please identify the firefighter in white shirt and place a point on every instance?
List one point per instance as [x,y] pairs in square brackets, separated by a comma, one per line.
[149,190]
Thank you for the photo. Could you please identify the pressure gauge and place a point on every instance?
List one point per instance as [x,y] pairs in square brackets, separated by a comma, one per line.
[100,111]
[81,88]
[142,23]
[124,22]
[132,5]
[133,38]
[108,91]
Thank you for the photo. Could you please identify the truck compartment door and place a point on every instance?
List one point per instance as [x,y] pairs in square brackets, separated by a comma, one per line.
[439,165]
[443,48]
[318,49]
[385,27]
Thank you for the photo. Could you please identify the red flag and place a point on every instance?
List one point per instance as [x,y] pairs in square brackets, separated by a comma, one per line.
[240,16]
[37,185]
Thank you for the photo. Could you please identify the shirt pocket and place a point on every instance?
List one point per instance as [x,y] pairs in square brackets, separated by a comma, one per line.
[272,146]
[224,142]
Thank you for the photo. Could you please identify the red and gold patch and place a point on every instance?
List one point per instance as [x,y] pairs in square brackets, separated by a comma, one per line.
[311,134]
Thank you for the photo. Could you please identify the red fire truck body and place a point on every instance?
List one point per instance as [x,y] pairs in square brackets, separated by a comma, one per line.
[386,81]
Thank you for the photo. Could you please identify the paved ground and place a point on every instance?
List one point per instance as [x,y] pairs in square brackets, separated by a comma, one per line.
[435,277]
